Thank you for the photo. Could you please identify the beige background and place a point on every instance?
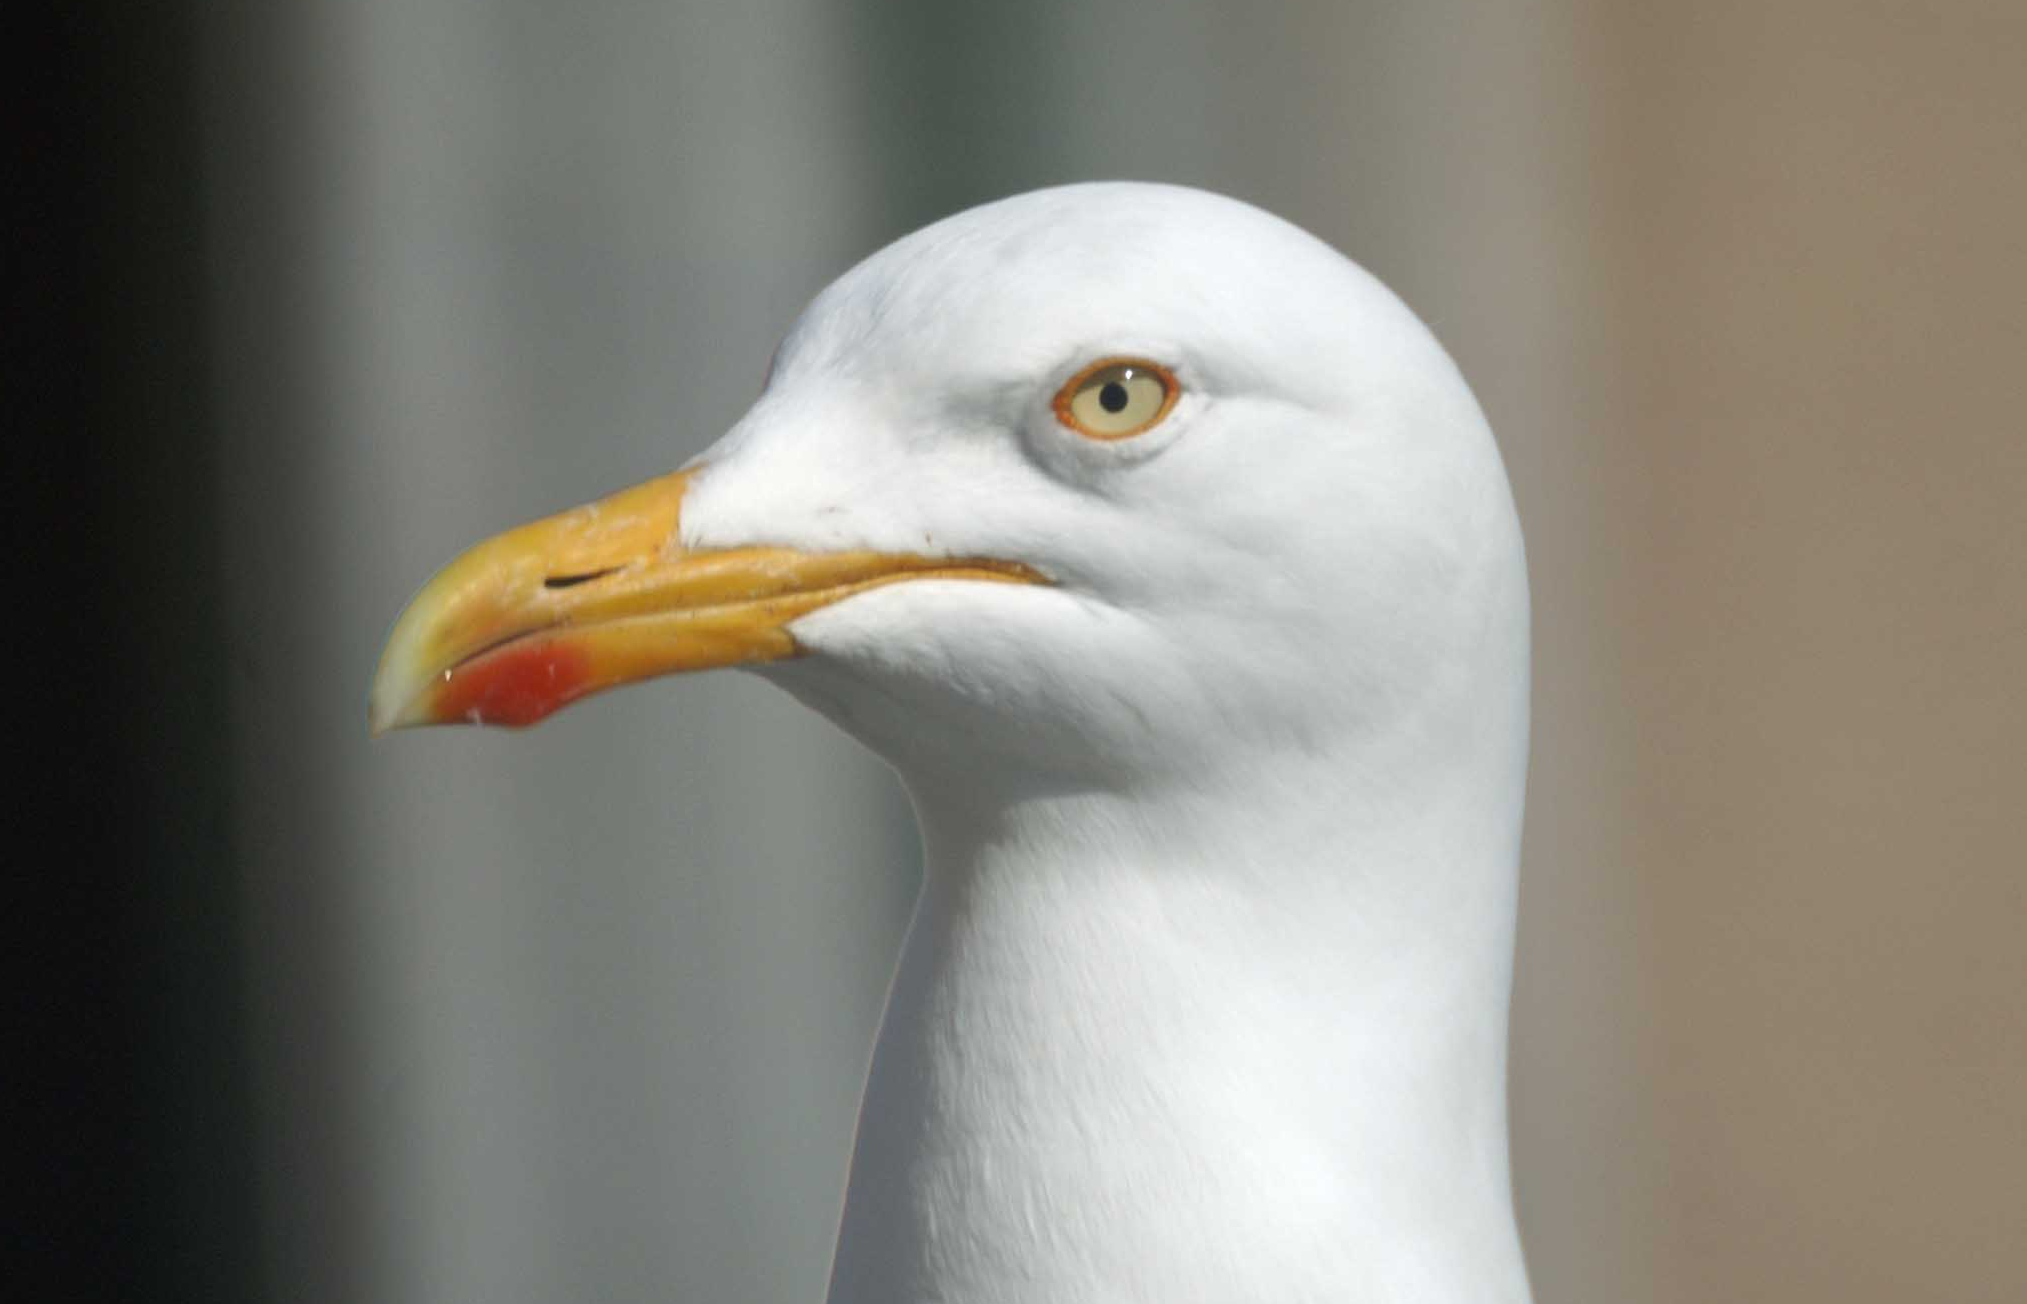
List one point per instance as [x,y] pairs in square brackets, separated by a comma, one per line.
[1808,405]
[579,1014]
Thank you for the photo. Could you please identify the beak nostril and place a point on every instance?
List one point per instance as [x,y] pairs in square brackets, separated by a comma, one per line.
[571,581]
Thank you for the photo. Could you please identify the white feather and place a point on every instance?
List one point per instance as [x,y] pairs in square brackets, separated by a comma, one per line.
[1205,999]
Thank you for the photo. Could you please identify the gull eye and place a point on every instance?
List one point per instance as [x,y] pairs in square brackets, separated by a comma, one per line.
[1116,398]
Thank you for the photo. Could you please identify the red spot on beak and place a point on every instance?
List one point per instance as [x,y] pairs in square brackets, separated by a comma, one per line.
[516,685]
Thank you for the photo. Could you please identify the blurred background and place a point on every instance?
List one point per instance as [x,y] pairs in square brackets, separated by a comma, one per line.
[310,295]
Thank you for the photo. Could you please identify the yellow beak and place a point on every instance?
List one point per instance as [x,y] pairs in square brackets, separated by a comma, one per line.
[604,595]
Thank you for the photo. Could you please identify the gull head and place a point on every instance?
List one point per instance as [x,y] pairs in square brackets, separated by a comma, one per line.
[1054,490]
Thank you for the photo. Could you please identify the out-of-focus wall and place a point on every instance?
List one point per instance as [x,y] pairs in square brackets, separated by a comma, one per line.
[580,1013]
[1810,227]
[576,1014]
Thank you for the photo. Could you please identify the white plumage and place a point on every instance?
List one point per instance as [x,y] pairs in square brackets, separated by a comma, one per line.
[1205,998]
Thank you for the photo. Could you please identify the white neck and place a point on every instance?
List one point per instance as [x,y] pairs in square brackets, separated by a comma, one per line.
[1138,1049]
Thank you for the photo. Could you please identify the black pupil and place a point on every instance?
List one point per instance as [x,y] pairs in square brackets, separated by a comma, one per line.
[1112,397]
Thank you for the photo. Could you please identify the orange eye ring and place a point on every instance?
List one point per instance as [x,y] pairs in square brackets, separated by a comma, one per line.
[1116,398]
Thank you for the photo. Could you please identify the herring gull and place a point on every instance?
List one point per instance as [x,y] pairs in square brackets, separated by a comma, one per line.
[1169,560]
